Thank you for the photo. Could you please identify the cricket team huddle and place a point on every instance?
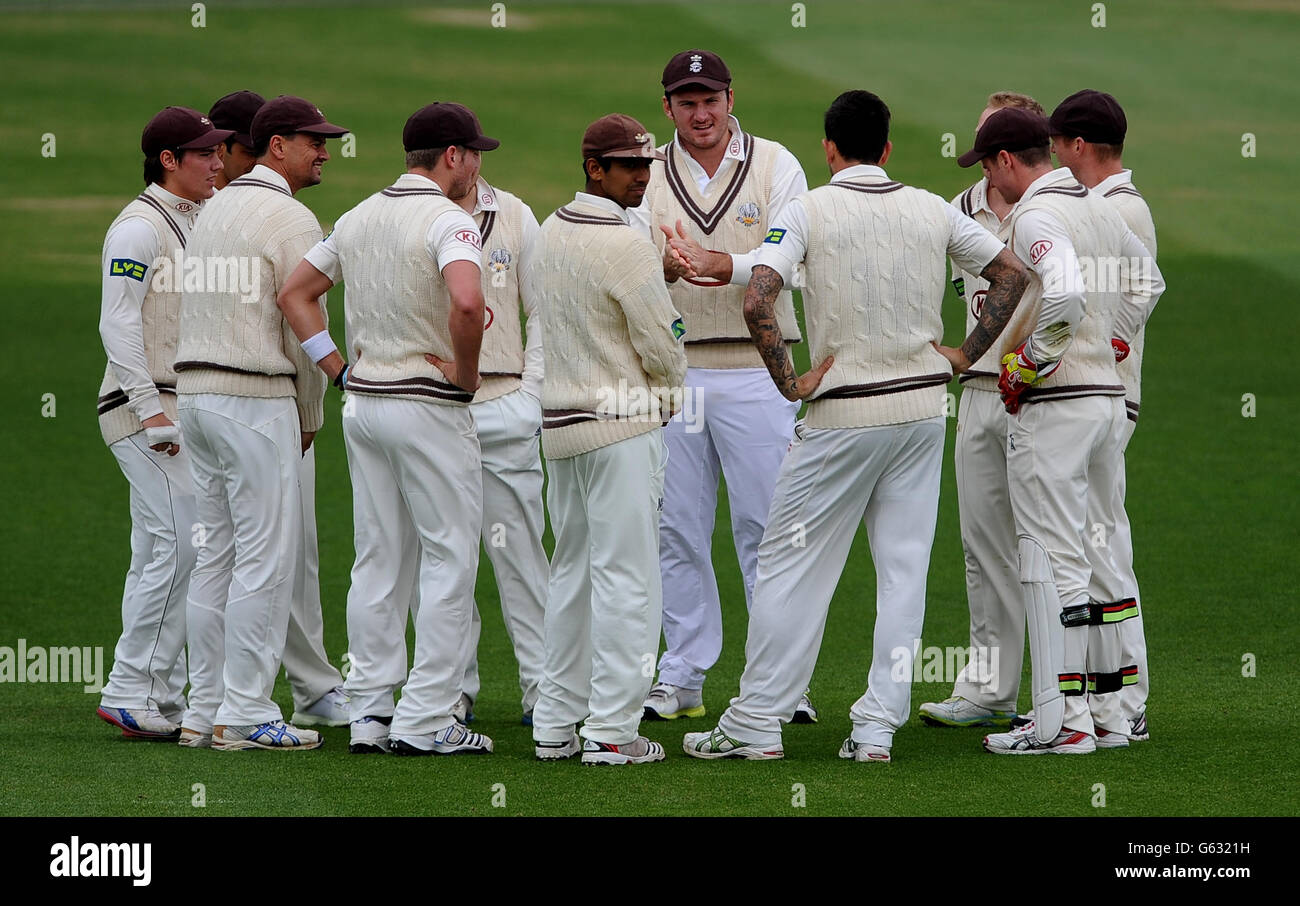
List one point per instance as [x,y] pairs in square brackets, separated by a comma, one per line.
[638,338]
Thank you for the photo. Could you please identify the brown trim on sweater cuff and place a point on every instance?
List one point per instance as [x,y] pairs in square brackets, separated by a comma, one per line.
[110,401]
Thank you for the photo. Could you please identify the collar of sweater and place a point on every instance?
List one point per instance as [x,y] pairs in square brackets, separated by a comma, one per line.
[605,205]
[861,171]
[1114,181]
[1059,176]
[266,174]
[175,202]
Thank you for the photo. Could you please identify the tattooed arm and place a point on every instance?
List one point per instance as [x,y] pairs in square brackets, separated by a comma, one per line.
[760,316]
[1008,279]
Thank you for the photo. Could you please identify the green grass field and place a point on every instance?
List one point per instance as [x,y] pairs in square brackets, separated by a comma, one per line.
[1212,474]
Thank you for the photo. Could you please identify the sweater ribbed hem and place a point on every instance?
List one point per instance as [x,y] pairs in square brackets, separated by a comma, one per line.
[980,382]
[869,412]
[496,386]
[235,383]
[739,354]
[572,440]
[121,422]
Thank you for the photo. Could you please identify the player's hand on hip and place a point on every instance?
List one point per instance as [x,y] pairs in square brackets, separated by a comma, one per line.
[162,434]
[956,358]
[452,373]
[806,384]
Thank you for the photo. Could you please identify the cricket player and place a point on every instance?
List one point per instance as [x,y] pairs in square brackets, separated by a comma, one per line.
[614,372]
[985,692]
[316,684]
[251,402]
[726,186]
[870,448]
[507,412]
[235,111]
[1087,131]
[1064,440]
[414,302]
[144,695]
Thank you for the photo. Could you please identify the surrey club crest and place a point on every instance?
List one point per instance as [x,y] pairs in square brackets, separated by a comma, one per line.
[696,64]
[499,260]
[748,214]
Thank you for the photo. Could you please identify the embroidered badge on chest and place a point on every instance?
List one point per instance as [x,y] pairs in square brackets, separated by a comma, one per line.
[499,260]
[748,214]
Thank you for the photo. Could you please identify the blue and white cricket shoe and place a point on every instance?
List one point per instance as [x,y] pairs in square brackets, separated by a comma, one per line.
[274,735]
[140,723]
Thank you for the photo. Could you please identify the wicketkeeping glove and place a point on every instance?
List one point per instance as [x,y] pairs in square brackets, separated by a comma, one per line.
[1018,373]
[1121,349]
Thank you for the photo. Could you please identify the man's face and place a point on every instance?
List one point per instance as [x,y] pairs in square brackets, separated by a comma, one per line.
[1001,176]
[195,176]
[700,116]
[464,172]
[626,179]
[238,161]
[304,155]
[1068,151]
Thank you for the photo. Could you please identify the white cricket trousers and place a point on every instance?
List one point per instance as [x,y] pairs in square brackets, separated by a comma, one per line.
[310,672]
[605,603]
[740,425]
[245,454]
[149,669]
[308,667]
[1061,455]
[1112,515]
[417,497]
[513,522]
[988,540]
[833,479]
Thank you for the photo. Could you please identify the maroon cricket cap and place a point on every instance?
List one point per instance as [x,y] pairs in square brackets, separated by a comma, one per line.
[618,135]
[286,115]
[1010,129]
[236,111]
[1093,116]
[696,67]
[180,128]
[441,125]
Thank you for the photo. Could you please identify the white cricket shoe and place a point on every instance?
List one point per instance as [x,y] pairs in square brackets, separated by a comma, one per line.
[1108,740]
[194,739]
[716,744]
[668,702]
[276,735]
[804,712]
[861,751]
[330,710]
[1138,727]
[1024,741]
[140,723]
[463,710]
[557,751]
[638,751]
[962,712]
[369,735]
[452,740]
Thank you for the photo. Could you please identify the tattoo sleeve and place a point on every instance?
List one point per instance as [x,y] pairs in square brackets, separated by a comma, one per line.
[1008,279]
[760,317]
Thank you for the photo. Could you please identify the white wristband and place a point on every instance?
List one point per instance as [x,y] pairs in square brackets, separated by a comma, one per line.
[319,346]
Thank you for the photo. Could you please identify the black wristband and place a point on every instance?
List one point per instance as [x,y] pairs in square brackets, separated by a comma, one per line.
[341,378]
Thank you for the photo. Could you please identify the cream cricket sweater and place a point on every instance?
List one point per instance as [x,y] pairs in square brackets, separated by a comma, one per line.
[243,346]
[501,358]
[1096,231]
[876,270]
[1120,192]
[159,317]
[397,302]
[612,339]
[733,217]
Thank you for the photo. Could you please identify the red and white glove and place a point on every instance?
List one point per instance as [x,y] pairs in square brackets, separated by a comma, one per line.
[1121,349]
[1018,373]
